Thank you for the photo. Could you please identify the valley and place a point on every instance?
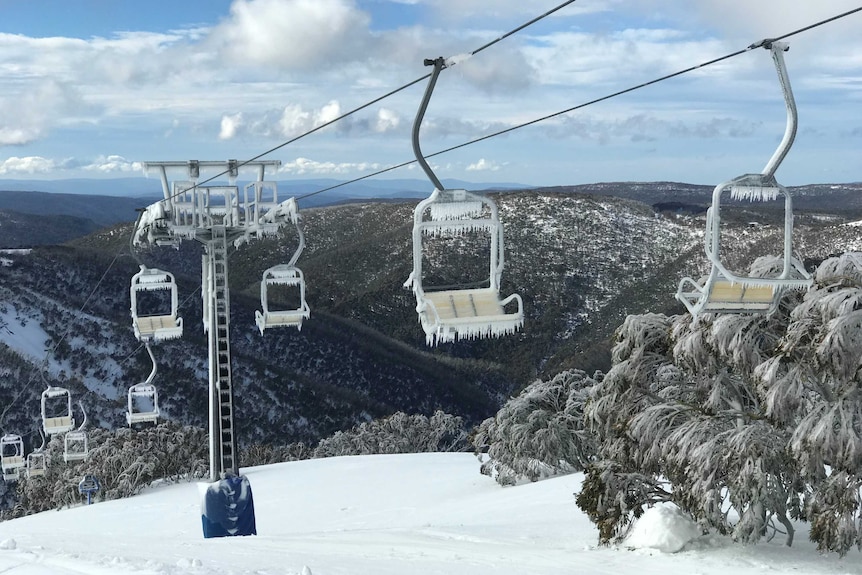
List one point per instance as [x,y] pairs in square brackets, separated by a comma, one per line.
[580,261]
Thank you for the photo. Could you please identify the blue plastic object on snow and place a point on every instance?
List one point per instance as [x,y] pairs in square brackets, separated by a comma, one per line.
[227,508]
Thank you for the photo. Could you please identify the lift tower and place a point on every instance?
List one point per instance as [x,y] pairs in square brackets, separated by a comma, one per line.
[216,216]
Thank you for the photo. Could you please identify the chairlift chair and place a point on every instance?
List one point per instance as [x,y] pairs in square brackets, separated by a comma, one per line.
[143,398]
[11,456]
[75,446]
[284,275]
[53,424]
[724,291]
[155,326]
[463,312]
[75,442]
[288,274]
[37,464]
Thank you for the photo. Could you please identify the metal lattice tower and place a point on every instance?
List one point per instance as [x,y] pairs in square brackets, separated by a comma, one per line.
[216,216]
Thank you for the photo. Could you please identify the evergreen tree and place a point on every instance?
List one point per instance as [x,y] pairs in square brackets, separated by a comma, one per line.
[398,433]
[744,421]
[539,433]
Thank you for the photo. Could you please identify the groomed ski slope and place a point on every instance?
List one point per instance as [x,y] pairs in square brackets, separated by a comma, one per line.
[378,515]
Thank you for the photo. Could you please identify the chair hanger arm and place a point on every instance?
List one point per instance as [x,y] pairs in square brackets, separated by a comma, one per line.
[778,49]
[439,64]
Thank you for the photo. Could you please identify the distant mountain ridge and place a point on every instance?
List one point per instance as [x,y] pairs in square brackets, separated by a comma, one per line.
[835,198]
[151,186]
[104,210]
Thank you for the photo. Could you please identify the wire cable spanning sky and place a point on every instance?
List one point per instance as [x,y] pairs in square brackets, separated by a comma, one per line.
[101,87]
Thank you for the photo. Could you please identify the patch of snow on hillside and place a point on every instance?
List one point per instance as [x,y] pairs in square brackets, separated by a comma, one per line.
[22,334]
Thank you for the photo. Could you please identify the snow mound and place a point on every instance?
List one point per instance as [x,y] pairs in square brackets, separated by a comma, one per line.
[663,527]
[8,544]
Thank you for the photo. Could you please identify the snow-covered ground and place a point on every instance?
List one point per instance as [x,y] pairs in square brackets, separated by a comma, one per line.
[22,334]
[379,515]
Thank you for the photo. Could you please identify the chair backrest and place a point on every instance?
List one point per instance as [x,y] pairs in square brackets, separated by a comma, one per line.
[456,212]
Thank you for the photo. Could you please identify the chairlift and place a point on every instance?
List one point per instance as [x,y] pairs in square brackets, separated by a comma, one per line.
[11,456]
[75,446]
[465,311]
[57,410]
[75,442]
[164,323]
[37,463]
[143,399]
[286,275]
[724,291]
[291,277]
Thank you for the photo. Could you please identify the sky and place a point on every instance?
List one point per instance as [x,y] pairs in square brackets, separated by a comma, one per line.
[103,85]
[420,514]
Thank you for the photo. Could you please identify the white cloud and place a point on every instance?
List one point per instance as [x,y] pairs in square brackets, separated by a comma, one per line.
[387,120]
[459,10]
[305,166]
[296,120]
[113,163]
[30,109]
[292,34]
[328,113]
[17,136]
[275,69]
[505,70]
[484,165]
[27,165]
[761,19]
[230,124]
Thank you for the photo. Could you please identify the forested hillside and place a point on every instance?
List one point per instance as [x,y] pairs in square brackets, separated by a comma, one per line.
[580,262]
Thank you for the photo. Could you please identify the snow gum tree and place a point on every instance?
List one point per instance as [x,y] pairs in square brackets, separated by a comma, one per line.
[398,433]
[540,433]
[744,421]
[125,462]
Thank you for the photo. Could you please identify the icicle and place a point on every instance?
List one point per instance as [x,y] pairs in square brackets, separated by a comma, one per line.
[460,228]
[754,193]
[455,210]
[479,330]
[151,279]
[283,275]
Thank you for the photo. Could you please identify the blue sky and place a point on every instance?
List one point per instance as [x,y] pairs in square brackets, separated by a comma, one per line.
[103,85]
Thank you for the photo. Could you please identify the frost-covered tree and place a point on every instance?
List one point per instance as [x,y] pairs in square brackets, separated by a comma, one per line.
[398,433]
[266,454]
[125,461]
[540,433]
[744,421]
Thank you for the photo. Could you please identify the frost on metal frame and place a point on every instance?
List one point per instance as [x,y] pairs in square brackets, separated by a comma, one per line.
[11,456]
[143,398]
[458,59]
[155,326]
[462,312]
[726,291]
[56,404]
[289,276]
